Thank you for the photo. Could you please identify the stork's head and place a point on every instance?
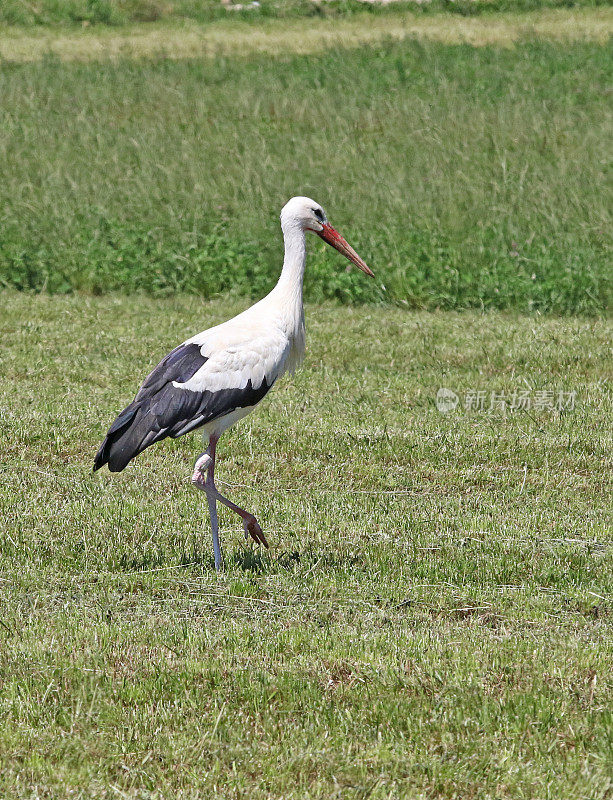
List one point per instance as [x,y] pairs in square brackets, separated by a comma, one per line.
[310,216]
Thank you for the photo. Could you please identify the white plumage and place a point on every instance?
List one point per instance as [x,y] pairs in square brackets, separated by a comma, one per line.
[217,377]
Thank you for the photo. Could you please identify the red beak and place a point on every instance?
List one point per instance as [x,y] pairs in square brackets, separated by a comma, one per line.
[328,234]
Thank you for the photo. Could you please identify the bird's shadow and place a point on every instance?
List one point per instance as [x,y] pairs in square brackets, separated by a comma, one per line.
[250,560]
[246,559]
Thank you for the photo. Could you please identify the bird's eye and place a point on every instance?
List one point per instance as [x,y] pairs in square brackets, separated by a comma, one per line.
[319,214]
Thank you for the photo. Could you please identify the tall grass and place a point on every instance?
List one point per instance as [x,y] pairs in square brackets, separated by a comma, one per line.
[465,177]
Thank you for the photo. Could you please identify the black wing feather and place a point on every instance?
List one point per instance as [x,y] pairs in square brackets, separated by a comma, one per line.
[179,365]
[160,409]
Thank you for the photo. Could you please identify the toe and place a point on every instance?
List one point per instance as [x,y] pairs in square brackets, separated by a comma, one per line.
[256,532]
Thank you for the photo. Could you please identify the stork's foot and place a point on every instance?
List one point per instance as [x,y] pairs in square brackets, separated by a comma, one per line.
[252,528]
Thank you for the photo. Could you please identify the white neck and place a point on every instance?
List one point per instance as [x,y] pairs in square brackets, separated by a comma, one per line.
[290,281]
[286,297]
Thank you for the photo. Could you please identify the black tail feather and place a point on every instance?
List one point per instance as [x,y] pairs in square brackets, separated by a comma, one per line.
[124,441]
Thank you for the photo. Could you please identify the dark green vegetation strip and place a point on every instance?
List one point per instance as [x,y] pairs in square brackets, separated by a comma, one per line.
[433,619]
[465,177]
[121,12]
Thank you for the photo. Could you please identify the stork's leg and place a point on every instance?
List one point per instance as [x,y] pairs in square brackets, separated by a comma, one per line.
[204,478]
[204,466]
[250,523]
[215,530]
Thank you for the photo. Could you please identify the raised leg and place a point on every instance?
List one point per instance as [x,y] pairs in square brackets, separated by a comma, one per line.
[250,523]
[204,479]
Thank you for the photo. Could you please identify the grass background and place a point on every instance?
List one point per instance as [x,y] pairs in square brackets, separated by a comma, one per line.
[122,12]
[467,177]
[230,37]
[433,618]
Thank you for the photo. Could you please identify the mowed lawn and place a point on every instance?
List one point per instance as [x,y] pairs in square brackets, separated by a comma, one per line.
[432,619]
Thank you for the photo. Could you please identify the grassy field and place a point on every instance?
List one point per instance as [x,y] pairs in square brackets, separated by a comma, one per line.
[468,177]
[118,13]
[185,39]
[433,618]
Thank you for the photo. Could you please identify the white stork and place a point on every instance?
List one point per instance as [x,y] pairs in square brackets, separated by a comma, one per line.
[218,376]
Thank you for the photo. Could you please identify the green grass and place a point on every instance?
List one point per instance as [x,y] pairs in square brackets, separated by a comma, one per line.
[229,37]
[122,12]
[467,177]
[433,619]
